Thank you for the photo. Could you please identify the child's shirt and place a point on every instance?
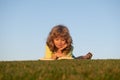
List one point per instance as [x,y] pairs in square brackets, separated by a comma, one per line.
[48,53]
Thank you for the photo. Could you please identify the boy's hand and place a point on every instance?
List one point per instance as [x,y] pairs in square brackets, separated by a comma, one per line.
[62,47]
[59,53]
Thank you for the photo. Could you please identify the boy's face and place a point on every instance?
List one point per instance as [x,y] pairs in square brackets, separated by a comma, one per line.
[59,42]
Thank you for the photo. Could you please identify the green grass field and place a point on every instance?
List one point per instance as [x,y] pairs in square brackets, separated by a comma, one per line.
[61,70]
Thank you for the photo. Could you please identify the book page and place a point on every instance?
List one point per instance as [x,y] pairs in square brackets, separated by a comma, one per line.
[45,59]
[64,58]
[57,59]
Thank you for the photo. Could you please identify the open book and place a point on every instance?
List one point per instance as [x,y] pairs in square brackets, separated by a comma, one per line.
[64,58]
[57,59]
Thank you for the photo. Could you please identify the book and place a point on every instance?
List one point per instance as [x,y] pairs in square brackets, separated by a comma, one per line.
[60,58]
[64,58]
[46,59]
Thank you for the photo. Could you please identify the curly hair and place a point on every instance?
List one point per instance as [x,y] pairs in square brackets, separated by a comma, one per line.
[59,31]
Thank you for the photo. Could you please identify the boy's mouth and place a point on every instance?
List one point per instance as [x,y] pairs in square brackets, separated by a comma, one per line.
[60,46]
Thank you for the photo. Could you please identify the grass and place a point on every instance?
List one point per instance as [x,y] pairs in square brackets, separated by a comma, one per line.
[60,70]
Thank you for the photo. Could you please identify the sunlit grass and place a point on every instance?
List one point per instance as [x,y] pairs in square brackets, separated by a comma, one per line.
[60,70]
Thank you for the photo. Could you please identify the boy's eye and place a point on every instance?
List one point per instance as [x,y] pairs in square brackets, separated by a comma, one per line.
[63,40]
[56,39]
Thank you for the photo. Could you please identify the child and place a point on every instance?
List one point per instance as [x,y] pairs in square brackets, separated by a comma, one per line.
[59,44]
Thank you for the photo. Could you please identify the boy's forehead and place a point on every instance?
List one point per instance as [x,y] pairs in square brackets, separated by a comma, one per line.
[60,37]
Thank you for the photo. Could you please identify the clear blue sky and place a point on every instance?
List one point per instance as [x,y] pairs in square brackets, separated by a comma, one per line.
[24,26]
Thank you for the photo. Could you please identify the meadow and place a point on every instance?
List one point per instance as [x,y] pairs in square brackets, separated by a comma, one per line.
[108,69]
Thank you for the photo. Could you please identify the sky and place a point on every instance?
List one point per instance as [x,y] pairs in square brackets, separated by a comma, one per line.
[25,24]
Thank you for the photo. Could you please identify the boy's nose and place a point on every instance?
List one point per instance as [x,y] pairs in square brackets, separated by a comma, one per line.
[60,42]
